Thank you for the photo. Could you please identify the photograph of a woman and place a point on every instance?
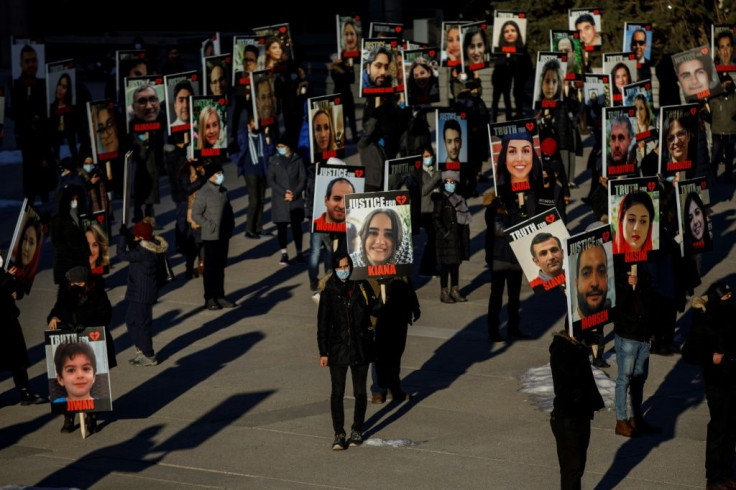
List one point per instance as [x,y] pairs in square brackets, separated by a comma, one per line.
[99,249]
[549,83]
[210,129]
[696,225]
[633,231]
[451,45]
[620,76]
[382,240]
[510,38]
[423,85]
[324,133]
[519,167]
[105,130]
[27,251]
[475,48]
[677,135]
[350,38]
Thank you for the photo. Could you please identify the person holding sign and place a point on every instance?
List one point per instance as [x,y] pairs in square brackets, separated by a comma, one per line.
[635,221]
[451,218]
[345,339]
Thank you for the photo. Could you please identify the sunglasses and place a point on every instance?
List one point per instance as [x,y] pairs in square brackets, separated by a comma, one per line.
[636,42]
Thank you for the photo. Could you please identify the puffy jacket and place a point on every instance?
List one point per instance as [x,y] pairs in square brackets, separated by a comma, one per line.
[143,267]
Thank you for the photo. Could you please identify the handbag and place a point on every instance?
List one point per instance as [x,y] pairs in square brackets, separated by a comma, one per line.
[164,272]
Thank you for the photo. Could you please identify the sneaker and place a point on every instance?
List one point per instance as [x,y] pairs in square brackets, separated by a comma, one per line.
[356,438]
[145,361]
[339,444]
[212,304]
[137,357]
[284,259]
[28,398]
[91,422]
[225,303]
[315,297]
[68,426]
[249,234]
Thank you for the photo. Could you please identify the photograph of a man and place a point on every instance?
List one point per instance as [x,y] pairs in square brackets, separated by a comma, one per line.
[591,282]
[585,24]
[638,43]
[333,219]
[264,97]
[250,59]
[452,137]
[621,148]
[546,250]
[377,68]
[695,72]
[724,42]
[182,91]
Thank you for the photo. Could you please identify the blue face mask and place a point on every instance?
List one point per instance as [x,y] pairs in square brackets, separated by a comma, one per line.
[220,179]
[428,161]
[342,274]
[281,151]
[450,188]
[89,168]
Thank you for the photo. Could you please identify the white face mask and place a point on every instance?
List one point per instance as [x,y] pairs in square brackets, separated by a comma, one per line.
[220,179]
[342,274]
[428,161]
[73,204]
[88,168]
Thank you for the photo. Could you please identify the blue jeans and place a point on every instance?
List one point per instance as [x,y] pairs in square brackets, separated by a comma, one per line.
[632,358]
[316,241]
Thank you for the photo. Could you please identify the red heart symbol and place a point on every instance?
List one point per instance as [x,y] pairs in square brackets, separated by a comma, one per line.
[693,110]
[101,218]
[596,12]
[195,77]
[703,185]
[110,105]
[282,29]
[221,101]
[337,100]
[431,54]
[213,37]
[483,26]
[704,51]
[606,235]
[647,86]
[359,173]
[261,40]
[398,29]
[631,112]
[632,56]
[94,335]
[393,44]
[605,79]
[357,17]
[576,35]
[564,57]
[651,186]
[529,126]
[550,218]
[141,55]
[648,27]
[401,199]
[159,81]
[417,164]
[522,15]
[227,60]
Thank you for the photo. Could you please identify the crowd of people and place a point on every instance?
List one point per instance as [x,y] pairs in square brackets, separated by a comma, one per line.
[364,322]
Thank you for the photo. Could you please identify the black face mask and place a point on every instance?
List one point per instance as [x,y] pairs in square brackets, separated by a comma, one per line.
[77,292]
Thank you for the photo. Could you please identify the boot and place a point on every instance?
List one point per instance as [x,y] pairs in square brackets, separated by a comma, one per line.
[68,426]
[624,429]
[91,421]
[445,296]
[455,294]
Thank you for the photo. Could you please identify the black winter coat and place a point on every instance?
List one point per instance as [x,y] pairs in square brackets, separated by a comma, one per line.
[716,323]
[452,239]
[576,394]
[70,243]
[344,329]
[634,313]
[13,351]
[143,260]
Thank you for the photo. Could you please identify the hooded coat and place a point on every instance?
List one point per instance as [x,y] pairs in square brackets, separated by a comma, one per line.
[143,267]
[67,234]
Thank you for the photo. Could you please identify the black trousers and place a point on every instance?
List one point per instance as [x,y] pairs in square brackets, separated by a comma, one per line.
[390,345]
[451,272]
[215,260]
[139,320]
[256,185]
[429,257]
[572,435]
[338,375]
[297,217]
[721,439]
[499,278]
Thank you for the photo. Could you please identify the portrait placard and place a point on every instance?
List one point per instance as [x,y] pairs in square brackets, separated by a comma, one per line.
[326,127]
[332,183]
[396,170]
[103,130]
[638,40]
[25,247]
[379,234]
[587,22]
[349,35]
[591,285]
[568,42]
[263,97]
[619,142]
[515,155]
[421,68]
[537,245]
[248,55]
[452,139]
[143,99]
[476,49]
[621,69]
[18,48]
[61,87]
[451,45]
[548,81]
[639,95]
[209,125]
[634,216]
[678,139]
[696,73]
[597,91]
[179,88]
[129,63]
[509,31]
[723,42]
[217,76]
[379,67]
[693,205]
[277,53]
[77,370]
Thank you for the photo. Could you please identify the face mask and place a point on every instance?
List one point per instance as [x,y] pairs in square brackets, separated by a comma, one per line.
[671,178]
[281,151]
[428,161]
[220,179]
[450,188]
[77,291]
[342,274]
[73,204]
[89,168]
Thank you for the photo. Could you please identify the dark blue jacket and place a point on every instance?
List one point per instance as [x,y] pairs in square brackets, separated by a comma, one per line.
[142,270]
